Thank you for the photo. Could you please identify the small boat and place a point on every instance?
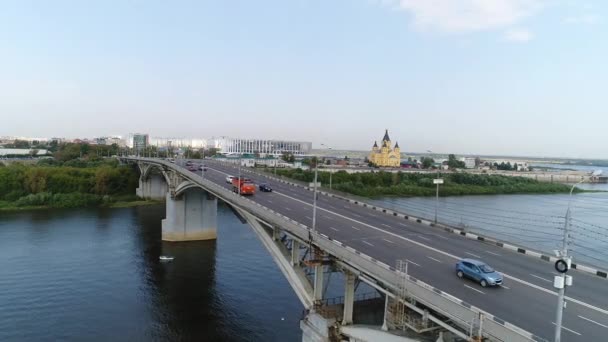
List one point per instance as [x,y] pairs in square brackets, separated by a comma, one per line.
[165,258]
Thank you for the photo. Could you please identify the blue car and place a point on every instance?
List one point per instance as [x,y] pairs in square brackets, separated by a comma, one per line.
[479,272]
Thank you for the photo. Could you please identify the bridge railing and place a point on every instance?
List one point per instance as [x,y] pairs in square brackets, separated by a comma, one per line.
[460,312]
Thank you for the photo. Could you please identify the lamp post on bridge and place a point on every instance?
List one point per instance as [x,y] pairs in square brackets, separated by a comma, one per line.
[563,264]
[330,172]
[436,181]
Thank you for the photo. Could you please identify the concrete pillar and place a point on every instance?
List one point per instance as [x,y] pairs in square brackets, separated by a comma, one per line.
[385,319]
[318,286]
[154,187]
[276,234]
[349,298]
[191,216]
[295,252]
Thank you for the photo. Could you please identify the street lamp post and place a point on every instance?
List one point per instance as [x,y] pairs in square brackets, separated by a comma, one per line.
[563,264]
[330,171]
[314,200]
[240,180]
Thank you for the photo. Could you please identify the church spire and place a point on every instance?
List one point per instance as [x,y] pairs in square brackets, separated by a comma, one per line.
[396,145]
[386,138]
[375,144]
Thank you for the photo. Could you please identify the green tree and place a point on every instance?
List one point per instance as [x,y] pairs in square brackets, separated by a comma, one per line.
[427,162]
[454,163]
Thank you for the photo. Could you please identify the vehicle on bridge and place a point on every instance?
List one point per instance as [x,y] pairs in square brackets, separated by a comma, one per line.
[202,168]
[245,185]
[189,162]
[265,188]
[192,168]
[229,179]
[479,272]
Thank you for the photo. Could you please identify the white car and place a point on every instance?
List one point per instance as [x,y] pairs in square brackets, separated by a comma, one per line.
[229,179]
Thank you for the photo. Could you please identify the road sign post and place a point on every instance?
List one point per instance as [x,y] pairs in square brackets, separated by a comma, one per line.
[437,181]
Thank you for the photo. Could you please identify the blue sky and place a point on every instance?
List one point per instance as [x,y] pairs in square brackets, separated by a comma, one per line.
[520,77]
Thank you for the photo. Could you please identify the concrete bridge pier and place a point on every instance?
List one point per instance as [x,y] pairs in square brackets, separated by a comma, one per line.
[318,282]
[190,216]
[153,187]
[349,298]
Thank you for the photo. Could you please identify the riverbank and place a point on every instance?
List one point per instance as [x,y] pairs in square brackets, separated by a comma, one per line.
[72,184]
[403,184]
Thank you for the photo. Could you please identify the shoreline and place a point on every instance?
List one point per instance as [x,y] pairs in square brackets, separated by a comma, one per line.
[119,204]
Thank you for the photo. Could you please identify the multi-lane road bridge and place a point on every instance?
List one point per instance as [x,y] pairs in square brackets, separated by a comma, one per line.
[374,247]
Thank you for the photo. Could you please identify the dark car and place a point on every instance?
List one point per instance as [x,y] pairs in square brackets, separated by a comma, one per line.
[265,188]
[189,162]
[191,168]
[479,272]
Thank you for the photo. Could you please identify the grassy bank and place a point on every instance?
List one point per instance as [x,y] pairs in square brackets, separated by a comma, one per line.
[73,184]
[417,184]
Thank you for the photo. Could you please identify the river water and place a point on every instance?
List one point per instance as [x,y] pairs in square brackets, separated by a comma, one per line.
[94,275]
[534,221]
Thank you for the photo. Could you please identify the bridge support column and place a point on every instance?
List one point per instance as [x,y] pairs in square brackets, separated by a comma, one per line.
[318,288]
[295,252]
[385,319]
[154,187]
[191,216]
[349,298]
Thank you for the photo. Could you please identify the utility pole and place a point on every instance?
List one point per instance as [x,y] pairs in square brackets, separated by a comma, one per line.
[240,180]
[563,264]
[437,181]
[314,200]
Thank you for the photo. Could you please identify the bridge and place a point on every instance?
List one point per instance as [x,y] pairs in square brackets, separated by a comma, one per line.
[408,261]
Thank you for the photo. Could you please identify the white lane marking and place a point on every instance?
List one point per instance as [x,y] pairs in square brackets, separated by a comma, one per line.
[592,321]
[327,217]
[403,224]
[541,278]
[389,241]
[335,229]
[439,261]
[310,218]
[269,201]
[504,287]
[367,243]
[492,253]
[372,215]
[353,227]
[521,281]
[411,262]
[440,236]
[474,289]
[474,255]
[386,225]
[287,208]
[570,330]
[424,238]
[356,215]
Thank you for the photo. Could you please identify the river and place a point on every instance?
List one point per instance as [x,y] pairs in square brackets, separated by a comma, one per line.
[94,274]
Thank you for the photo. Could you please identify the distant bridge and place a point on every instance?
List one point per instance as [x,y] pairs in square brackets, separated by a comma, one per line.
[365,243]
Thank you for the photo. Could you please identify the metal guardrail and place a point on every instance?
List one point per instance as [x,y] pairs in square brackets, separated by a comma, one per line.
[460,312]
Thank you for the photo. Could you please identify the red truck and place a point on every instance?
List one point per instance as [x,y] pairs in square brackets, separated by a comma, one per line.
[245,184]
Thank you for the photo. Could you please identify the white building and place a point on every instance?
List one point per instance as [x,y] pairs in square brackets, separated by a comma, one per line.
[178,142]
[469,163]
[228,145]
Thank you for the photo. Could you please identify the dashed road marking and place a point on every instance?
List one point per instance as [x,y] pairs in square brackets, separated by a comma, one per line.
[570,330]
[493,253]
[327,217]
[439,261]
[310,218]
[411,262]
[367,243]
[592,321]
[474,289]
[424,238]
[504,287]
[287,208]
[336,229]
[389,241]
[474,255]
[355,228]
[541,278]
[386,225]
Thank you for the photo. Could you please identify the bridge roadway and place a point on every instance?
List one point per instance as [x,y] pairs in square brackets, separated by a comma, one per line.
[527,298]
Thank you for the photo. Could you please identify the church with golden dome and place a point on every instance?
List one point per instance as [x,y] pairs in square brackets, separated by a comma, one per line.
[385,155]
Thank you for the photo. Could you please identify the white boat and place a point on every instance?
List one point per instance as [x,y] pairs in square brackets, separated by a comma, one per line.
[165,258]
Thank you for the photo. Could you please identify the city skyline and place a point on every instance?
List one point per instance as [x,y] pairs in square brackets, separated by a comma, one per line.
[510,77]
